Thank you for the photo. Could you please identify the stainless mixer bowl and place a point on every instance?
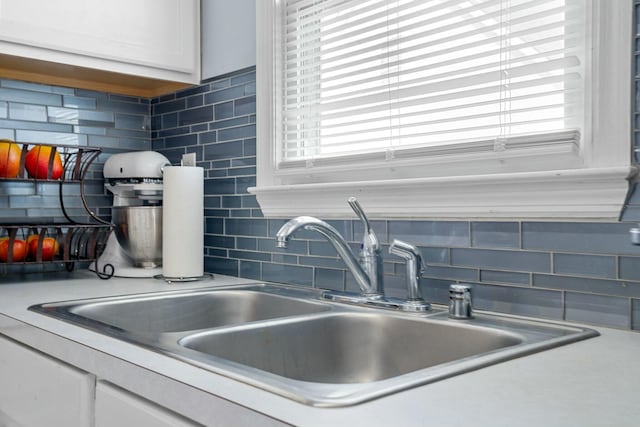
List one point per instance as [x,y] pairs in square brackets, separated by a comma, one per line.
[139,232]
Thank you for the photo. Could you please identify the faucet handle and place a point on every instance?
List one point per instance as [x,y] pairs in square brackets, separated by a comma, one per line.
[370,249]
[370,244]
[355,205]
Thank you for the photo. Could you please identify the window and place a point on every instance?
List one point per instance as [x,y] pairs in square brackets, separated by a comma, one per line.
[481,108]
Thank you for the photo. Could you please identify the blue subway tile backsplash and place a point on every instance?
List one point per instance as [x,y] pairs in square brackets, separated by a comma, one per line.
[30,94]
[585,272]
[521,301]
[596,238]
[635,314]
[34,113]
[629,268]
[502,259]
[598,309]
[428,233]
[585,265]
[585,284]
[495,234]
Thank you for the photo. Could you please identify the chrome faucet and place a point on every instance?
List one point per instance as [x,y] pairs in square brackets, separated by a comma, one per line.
[369,274]
[367,270]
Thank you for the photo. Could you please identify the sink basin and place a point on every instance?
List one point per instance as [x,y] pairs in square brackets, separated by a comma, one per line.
[175,312]
[349,347]
[198,310]
[292,342]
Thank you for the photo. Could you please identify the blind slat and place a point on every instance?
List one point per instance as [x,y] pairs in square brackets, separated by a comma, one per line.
[569,139]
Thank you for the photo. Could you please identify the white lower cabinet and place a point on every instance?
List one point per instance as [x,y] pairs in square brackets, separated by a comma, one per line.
[37,391]
[116,407]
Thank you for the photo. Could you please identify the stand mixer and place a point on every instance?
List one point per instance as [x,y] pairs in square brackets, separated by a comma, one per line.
[134,249]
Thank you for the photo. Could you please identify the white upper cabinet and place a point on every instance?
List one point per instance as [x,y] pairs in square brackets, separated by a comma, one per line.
[153,39]
[228,36]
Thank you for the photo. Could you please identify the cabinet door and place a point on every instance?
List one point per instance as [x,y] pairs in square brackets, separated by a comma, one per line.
[36,390]
[116,407]
[151,38]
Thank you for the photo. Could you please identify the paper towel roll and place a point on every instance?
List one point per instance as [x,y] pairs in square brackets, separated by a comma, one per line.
[183,223]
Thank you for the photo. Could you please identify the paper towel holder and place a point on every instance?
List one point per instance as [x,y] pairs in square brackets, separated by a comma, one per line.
[183,221]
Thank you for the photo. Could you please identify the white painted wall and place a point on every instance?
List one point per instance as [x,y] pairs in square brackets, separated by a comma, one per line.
[228,36]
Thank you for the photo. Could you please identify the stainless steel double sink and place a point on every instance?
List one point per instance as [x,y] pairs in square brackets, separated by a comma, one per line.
[290,341]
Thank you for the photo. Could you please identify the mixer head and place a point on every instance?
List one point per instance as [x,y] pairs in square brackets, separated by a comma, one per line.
[135,178]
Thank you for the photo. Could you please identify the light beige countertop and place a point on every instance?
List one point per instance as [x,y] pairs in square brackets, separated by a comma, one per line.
[595,382]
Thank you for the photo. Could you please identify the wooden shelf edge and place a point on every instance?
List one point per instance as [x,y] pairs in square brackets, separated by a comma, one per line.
[52,73]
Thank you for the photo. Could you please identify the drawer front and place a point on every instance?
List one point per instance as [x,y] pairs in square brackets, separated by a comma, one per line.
[36,390]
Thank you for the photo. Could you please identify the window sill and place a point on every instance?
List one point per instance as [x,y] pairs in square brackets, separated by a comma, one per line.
[593,194]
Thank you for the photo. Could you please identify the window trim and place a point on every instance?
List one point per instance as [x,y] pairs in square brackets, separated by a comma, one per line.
[593,183]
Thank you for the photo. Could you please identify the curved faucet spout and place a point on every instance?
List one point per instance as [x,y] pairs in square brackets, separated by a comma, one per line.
[338,242]
[282,236]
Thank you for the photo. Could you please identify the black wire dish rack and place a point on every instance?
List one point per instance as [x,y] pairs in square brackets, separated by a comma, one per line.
[65,241]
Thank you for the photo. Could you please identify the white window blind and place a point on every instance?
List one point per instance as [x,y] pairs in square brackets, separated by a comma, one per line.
[384,79]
